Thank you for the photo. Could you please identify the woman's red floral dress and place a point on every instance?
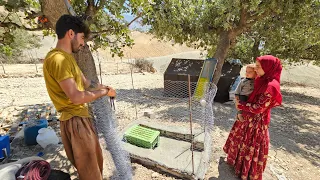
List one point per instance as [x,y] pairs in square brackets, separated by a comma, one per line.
[248,142]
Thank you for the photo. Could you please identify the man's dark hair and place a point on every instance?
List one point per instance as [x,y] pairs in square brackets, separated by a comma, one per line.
[67,22]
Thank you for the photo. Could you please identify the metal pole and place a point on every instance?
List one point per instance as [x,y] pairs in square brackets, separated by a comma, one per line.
[133,93]
[69,7]
[99,66]
[190,111]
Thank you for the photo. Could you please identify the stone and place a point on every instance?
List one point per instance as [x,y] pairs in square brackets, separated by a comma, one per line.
[4,114]
[20,108]
[10,109]
[155,175]
[149,113]
[16,113]
[14,128]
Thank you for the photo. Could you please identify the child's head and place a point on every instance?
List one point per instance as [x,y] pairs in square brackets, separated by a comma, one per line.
[250,72]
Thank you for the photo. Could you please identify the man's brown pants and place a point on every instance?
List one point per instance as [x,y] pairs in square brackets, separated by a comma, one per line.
[82,147]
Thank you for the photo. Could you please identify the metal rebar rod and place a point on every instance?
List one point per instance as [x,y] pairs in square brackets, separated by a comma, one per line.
[133,91]
[190,111]
[99,66]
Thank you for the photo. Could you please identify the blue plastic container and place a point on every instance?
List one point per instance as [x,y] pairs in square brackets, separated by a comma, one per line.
[31,132]
[4,146]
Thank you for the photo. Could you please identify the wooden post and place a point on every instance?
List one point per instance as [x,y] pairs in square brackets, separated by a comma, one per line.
[190,111]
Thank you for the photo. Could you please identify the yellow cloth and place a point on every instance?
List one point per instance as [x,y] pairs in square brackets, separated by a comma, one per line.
[58,66]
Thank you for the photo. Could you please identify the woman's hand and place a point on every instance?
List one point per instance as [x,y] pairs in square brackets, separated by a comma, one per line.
[240,117]
[237,104]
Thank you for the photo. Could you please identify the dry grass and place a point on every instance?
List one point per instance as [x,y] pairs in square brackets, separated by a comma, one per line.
[144,65]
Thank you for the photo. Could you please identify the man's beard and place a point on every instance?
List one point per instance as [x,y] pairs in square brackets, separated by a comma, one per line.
[75,46]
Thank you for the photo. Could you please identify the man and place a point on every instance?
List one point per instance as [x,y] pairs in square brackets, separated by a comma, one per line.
[69,91]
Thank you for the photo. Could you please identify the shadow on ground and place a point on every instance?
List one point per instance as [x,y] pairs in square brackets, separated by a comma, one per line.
[225,171]
[295,126]
[292,128]
[167,108]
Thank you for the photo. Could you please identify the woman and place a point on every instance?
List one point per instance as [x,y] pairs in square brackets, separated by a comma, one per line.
[248,142]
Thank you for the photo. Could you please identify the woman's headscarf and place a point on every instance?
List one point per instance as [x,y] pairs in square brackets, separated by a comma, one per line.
[270,81]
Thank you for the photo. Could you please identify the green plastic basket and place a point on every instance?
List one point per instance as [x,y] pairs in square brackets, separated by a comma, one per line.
[142,137]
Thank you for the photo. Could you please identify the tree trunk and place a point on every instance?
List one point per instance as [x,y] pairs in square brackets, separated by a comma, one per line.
[225,41]
[53,10]
[86,63]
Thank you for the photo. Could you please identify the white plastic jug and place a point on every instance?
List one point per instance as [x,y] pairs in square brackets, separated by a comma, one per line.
[47,136]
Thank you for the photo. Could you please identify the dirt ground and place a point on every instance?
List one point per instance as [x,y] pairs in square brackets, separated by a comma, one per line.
[294,129]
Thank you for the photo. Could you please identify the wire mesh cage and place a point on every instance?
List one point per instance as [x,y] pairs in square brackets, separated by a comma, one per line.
[170,104]
[174,102]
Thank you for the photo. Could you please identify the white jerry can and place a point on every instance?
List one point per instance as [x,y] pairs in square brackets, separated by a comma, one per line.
[47,136]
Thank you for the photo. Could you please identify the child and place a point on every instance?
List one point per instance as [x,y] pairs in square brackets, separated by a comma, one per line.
[245,87]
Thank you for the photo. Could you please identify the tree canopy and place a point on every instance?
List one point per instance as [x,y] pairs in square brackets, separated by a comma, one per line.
[295,41]
[14,40]
[105,19]
[240,29]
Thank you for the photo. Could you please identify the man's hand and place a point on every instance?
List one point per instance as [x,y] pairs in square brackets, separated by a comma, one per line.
[93,86]
[111,91]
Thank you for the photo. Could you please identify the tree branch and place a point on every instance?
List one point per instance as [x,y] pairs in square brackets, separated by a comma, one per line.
[253,19]
[243,19]
[92,36]
[103,31]
[33,15]
[139,15]
[90,11]
[96,34]
[90,2]
[8,24]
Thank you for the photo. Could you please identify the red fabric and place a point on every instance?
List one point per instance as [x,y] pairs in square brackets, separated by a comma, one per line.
[247,148]
[248,142]
[270,81]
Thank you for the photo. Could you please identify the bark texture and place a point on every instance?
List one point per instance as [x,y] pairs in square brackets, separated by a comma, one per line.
[225,42]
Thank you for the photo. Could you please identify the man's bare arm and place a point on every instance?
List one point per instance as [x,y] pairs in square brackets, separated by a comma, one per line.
[91,85]
[80,97]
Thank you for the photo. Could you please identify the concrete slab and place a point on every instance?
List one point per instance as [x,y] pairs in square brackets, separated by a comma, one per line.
[173,155]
